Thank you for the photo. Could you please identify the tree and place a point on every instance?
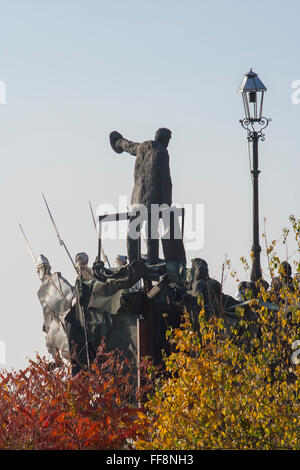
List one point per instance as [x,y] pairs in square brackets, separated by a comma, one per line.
[232,391]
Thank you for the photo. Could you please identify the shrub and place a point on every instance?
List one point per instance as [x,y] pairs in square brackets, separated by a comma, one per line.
[45,408]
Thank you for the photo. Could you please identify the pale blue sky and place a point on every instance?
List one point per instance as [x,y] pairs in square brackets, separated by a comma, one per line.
[77,69]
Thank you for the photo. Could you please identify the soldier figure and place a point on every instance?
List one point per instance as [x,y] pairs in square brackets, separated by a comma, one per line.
[214,299]
[81,265]
[56,296]
[284,279]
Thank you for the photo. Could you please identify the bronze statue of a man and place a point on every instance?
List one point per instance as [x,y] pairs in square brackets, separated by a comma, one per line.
[152,179]
[152,185]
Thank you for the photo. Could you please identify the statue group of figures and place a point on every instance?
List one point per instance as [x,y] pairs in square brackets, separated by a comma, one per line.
[107,303]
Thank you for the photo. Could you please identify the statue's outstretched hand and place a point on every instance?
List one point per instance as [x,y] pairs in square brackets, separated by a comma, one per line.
[114,137]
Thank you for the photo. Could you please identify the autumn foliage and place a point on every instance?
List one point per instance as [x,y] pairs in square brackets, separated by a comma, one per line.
[232,391]
[41,408]
[224,386]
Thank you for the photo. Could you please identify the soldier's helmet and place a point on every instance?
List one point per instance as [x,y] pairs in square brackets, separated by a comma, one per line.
[43,262]
[81,259]
[43,266]
[121,260]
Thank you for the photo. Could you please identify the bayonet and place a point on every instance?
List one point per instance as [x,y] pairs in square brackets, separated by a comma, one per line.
[93,217]
[28,245]
[61,242]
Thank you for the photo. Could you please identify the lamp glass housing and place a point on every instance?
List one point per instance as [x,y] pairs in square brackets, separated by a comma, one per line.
[252,90]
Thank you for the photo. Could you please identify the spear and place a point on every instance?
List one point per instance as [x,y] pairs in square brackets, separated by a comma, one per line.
[28,245]
[95,225]
[61,242]
[81,307]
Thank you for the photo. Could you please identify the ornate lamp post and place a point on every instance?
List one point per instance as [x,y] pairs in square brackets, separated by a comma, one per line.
[252,90]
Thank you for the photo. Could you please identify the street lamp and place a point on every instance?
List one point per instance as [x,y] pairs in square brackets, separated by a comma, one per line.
[253,90]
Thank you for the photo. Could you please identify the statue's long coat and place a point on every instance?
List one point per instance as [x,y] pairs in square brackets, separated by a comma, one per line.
[152,179]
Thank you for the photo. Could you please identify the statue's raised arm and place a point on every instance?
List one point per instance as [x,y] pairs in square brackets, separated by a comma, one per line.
[119,144]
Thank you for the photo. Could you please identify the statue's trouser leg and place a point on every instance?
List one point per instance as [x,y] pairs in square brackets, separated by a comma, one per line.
[132,249]
[172,243]
[132,244]
[152,240]
[174,250]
